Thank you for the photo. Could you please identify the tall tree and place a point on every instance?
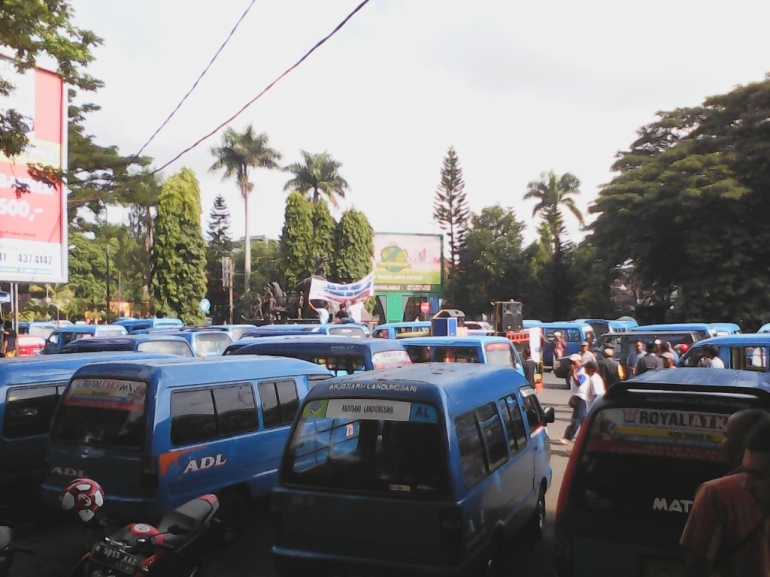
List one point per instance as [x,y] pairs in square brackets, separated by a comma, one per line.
[317,176]
[219,246]
[492,264]
[354,247]
[297,258]
[38,28]
[324,227]
[450,206]
[179,253]
[237,155]
[553,194]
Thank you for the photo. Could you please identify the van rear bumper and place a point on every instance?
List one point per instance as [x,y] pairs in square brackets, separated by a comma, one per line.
[290,562]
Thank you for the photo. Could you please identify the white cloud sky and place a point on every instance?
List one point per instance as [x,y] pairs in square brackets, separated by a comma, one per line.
[518,88]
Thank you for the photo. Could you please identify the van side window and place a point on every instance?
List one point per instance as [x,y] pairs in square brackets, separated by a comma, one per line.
[280,402]
[193,419]
[482,443]
[236,409]
[29,410]
[514,426]
[535,416]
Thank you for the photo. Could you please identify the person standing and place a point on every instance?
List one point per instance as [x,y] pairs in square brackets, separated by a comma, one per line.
[9,340]
[728,528]
[586,355]
[578,401]
[530,366]
[610,369]
[633,358]
[596,387]
[342,314]
[668,360]
[648,362]
[559,346]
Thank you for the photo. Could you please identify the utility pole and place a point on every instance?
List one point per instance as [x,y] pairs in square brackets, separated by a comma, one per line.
[107,318]
[227,280]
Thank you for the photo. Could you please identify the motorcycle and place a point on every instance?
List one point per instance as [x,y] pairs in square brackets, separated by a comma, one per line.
[8,548]
[172,549]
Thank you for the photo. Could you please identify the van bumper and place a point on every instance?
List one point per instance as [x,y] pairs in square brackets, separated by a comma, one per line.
[291,562]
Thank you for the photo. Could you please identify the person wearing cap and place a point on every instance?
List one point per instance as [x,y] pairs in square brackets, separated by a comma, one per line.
[586,355]
[578,401]
[609,369]
[666,347]
[668,360]
[559,346]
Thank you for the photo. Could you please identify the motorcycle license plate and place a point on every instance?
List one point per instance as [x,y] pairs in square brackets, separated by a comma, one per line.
[115,558]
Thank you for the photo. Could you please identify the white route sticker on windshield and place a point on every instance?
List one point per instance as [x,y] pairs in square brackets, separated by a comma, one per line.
[368,409]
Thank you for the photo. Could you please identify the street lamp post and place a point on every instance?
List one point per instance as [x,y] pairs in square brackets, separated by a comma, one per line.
[107,314]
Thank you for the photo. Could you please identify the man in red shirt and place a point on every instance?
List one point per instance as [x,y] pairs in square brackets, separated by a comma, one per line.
[728,530]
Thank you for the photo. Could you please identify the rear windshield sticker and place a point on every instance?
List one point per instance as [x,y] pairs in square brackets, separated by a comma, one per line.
[385,358]
[387,387]
[109,393]
[681,434]
[368,409]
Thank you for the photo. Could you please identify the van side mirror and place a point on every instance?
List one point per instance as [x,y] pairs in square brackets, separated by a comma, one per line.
[550,415]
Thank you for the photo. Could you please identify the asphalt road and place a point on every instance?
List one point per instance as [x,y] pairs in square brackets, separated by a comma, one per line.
[57,547]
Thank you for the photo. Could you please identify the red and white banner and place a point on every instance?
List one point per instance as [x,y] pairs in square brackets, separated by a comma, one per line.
[33,227]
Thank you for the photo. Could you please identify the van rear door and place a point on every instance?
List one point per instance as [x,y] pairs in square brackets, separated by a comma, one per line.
[627,493]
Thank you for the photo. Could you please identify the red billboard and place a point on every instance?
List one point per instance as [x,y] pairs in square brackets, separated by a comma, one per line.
[33,226]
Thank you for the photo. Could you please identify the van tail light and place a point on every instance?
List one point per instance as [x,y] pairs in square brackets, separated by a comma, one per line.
[567,484]
[563,554]
[276,512]
[451,528]
[148,473]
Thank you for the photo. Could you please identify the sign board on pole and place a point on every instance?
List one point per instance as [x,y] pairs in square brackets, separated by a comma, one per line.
[33,227]
[424,307]
[408,262]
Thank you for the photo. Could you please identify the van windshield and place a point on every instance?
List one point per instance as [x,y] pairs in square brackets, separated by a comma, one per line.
[646,463]
[102,413]
[389,447]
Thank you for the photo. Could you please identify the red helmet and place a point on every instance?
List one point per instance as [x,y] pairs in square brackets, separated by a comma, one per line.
[683,347]
[83,496]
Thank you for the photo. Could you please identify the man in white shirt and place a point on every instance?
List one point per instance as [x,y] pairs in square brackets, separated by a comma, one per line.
[578,401]
[356,311]
[596,388]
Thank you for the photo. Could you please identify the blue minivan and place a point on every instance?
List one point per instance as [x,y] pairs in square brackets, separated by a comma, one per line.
[63,335]
[161,344]
[337,329]
[30,388]
[133,325]
[748,352]
[340,355]
[704,330]
[425,469]
[402,330]
[572,332]
[640,455]
[156,434]
[473,349]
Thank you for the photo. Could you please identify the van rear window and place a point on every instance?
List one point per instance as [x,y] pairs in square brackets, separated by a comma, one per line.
[646,463]
[389,447]
[103,413]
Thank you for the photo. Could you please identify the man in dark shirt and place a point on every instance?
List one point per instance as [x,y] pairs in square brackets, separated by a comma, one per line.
[609,368]
[648,362]
[9,339]
[341,314]
[530,366]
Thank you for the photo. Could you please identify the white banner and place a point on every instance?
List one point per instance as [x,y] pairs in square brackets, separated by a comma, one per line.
[342,293]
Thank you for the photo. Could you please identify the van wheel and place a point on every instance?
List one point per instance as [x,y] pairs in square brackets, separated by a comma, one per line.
[534,527]
[230,517]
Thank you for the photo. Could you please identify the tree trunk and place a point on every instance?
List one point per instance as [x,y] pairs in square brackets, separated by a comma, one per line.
[316,195]
[246,242]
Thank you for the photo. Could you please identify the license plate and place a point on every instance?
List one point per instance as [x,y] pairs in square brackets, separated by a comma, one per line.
[656,567]
[115,558]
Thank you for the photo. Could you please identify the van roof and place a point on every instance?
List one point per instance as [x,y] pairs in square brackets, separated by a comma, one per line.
[745,339]
[185,371]
[693,378]
[47,368]
[106,342]
[314,343]
[88,328]
[464,385]
[404,324]
[466,341]
[566,324]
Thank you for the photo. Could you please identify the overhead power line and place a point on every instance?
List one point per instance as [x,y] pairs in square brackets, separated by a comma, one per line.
[195,84]
[258,96]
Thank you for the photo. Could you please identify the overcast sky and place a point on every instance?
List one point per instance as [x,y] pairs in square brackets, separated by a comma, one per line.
[518,88]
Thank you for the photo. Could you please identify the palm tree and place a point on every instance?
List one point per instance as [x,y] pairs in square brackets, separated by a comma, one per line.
[238,154]
[552,194]
[318,175]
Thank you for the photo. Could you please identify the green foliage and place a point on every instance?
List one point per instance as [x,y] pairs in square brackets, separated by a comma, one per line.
[552,193]
[88,272]
[354,247]
[179,253]
[237,155]
[35,28]
[297,258]
[324,227]
[219,246]
[450,206]
[684,212]
[492,265]
[317,176]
